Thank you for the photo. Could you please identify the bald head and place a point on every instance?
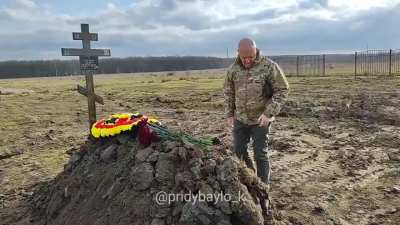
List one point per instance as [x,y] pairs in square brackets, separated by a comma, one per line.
[247,43]
[247,52]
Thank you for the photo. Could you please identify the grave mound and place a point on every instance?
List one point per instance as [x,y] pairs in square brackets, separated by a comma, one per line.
[118,181]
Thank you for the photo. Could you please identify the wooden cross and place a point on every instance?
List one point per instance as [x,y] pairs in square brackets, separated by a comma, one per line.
[89,61]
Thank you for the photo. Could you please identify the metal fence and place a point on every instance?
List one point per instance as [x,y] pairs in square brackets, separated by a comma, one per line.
[371,62]
[302,65]
[377,62]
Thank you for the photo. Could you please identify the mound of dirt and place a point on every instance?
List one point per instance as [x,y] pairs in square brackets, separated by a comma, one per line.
[116,181]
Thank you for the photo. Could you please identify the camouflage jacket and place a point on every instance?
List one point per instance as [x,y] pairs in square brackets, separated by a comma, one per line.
[249,93]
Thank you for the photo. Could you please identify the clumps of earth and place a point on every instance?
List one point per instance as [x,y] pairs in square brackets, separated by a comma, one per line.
[116,181]
[363,106]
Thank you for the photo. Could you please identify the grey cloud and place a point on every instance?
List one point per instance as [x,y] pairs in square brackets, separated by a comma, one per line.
[303,36]
[168,5]
[265,14]
[4,16]
[167,15]
[310,35]
[24,4]
[133,32]
[90,20]
[307,4]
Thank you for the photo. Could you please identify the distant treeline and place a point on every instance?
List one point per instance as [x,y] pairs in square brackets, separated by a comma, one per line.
[41,68]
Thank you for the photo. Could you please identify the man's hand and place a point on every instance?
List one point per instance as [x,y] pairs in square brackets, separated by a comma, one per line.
[263,120]
[229,120]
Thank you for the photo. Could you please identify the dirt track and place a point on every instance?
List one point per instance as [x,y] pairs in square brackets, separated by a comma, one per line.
[335,158]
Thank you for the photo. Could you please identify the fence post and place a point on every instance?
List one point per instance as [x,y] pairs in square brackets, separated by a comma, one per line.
[297,65]
[390,62]
[355,65]
[323,65]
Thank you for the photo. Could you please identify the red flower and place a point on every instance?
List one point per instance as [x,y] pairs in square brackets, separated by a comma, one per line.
[146,135]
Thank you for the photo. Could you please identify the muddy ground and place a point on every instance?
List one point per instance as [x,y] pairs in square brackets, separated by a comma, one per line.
[335,147]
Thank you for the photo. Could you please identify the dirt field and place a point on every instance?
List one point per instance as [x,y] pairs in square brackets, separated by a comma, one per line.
[335,147]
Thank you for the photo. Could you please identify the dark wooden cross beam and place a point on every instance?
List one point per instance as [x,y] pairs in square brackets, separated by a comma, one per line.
[89,61]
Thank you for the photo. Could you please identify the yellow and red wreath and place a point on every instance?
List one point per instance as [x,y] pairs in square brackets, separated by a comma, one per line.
[117,123]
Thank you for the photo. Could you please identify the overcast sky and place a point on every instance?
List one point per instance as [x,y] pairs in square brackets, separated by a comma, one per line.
[37,29]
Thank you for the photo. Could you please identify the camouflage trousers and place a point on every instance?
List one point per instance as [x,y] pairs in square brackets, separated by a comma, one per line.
[241,137]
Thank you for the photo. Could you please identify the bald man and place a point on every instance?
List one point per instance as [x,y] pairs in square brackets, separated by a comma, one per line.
[255,88]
